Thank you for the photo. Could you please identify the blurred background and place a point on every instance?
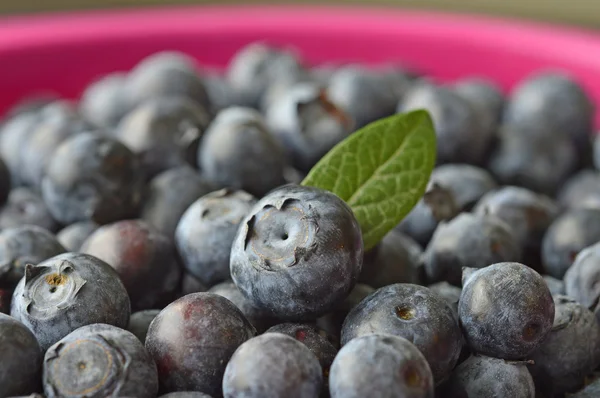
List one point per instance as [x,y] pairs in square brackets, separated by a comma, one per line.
[574,12]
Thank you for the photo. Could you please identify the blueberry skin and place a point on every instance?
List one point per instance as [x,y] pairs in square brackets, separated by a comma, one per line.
[5,299]
[380,365]
[307,123]
[581,190]
[103,103]
[415,313]
[272,365]
[257,66]
[219,91]
[144,259]
[66,292]
[469,240]
[14,133]
[99,360]
[190,284]
[364,94]
[25,206]
[556,286]
[297,253]
[5,183]
[448,292]
[164,74]
[192,340]
[506,310]
[19,246]
[481,376]
[525,153]
[592,390]
[169,194]
[571,232]
[239,152]
[257,318]
[20,368]
[557,98]
[185,394]
[468,183]
[529,214]
[73,236]
[92,178]
[164,132]
[581,280]
[140,322]
[572,349]
[460,136]
[436,205]
[396,259]
[206,231]
[486,97]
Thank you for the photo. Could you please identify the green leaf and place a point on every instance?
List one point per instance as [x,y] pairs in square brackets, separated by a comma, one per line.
[381,171]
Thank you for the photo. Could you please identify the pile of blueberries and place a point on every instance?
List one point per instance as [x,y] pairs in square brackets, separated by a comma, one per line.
[155,240]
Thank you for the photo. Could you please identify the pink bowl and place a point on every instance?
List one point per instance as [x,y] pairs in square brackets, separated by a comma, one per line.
[63,53]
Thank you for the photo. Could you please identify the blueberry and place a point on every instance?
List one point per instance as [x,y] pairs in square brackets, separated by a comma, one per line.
[272,365]
[525,153]
[239,152]
[506,310]
[469,240]
[258,318]
[190,284]
[570,233]
[292,175]
[164,132]
[20,368]
[581,190]
[436,205]
[317,340]
[590,391]
[364,94]
[92,178]
[415,313]
[99,360]
[140,322]
[556,98]
[466,182]
[219,91]
[307,123]
[14,134]
[481,376]
[380,365]
[5,299]
[448,292]
[460,136]
[103,103]
[19,246]
[556,286]
[297,253]
[206,231]
[66,292]
[73,236]
[571,351]
[529,215]
[31,104]
[166,73]
[26,207]
[144,259]
[582,279]
[396,259]
[185,394]
[192,340]
[169,194]
[5,183]
[255,67]
[595,149]
[486,97]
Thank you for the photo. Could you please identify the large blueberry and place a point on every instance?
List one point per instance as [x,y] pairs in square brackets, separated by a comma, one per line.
[582,279]
[570,233]
[506,310]
[20,367]
[239,152]
[581,190]
[297,253]
[103,103]
[169,194]
[570,352]
[380,365]
[307,123]
[73,236]
[99,360]
[66,292]
[19,246]
[144,259]
[270,366]
[206,231]
[26,207]
[415,313]
[91,177]
[192,340]
[468,183]
[469,240]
